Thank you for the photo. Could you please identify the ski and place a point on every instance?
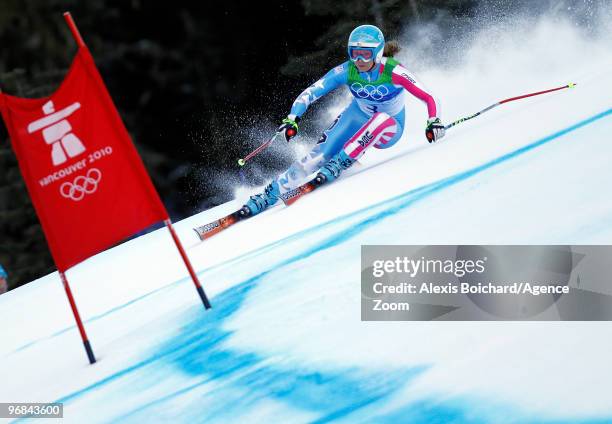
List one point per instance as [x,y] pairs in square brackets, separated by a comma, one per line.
[212,228]
[294,195]
[208,230]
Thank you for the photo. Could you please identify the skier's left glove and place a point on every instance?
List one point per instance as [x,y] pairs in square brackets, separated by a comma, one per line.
[434,130]
[289,128]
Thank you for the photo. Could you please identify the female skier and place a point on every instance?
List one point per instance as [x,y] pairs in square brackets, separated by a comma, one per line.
[375,116]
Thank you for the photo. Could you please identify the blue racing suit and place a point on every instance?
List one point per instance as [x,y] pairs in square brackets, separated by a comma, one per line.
[380,90]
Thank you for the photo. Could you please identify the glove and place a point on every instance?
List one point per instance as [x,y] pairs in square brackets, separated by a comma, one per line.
[434,130]
[289,128]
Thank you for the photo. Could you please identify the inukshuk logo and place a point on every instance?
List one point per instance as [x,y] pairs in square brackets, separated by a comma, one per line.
[58,133]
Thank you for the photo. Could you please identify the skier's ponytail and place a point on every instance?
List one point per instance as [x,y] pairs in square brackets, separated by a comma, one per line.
[391,48]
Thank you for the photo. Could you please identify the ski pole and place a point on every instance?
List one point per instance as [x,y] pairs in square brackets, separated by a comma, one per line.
[258,150]
[501,102]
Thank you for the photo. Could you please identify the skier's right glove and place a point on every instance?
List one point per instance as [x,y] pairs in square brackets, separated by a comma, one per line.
[289,128]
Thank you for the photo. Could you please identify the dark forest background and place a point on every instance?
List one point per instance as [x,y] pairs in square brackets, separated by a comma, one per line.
[188,78]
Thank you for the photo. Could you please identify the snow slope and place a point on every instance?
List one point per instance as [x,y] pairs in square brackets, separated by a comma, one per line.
[284,341]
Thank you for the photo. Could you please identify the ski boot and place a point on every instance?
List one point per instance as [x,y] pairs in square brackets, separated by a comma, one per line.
[260,202]
[333,168]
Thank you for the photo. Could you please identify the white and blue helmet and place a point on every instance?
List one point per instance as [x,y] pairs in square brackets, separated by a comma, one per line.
[366,42]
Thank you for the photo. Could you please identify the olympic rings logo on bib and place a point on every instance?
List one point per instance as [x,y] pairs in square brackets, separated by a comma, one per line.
[369,91]
[82,185]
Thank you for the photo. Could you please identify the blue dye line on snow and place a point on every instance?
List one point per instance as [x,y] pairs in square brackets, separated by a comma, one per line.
[199,351]
[341,394]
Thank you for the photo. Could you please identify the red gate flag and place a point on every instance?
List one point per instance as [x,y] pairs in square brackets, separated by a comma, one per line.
[86,180]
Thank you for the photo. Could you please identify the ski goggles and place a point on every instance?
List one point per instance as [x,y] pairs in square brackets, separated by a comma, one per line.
[361,53]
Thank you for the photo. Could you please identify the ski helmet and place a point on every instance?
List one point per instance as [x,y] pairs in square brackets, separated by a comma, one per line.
[366,42]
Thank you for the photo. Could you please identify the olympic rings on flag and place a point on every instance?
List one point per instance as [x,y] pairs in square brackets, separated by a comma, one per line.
[82,185]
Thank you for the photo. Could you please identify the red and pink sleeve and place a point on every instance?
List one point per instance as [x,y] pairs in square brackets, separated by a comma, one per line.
[401,76]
